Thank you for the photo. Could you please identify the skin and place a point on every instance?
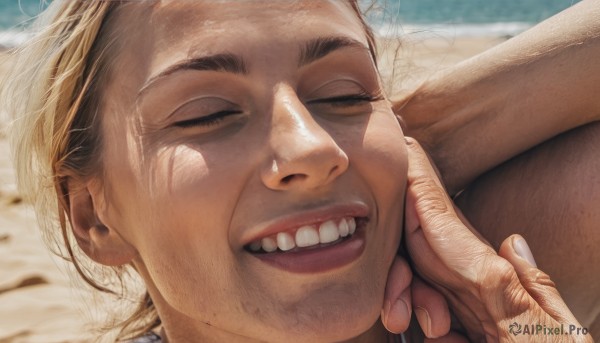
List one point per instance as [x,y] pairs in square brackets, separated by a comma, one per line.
[179,202]
[559,222]
[493,125]
[146,208]
[488,291]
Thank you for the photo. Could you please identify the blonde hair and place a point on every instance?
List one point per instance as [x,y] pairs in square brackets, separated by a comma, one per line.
[53,94]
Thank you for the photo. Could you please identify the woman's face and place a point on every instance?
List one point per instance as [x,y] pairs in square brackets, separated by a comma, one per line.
[238,136]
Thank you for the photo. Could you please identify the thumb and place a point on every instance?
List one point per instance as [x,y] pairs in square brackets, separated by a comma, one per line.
[537,283]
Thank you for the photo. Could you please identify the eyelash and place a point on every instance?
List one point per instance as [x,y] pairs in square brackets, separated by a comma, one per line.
[347,100]
[341,101]
[206,121]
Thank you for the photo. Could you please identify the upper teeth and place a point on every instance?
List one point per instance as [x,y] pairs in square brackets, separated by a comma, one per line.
[306,236]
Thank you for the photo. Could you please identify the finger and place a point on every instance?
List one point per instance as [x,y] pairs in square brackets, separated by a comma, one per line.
[537,283]
[468,224]
[430,212]
[430,204]
[396,311]
[430,308]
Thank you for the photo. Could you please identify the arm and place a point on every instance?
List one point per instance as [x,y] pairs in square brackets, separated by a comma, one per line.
[494,106]
[489,292]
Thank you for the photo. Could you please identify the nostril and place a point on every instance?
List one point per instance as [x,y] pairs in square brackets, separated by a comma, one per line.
[286,180]
[333,170]
[300,176]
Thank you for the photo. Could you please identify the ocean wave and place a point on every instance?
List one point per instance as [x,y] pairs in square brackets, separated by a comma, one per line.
[454,30]
[13,38]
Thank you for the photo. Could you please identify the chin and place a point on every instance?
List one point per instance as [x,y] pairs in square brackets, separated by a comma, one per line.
[340,314]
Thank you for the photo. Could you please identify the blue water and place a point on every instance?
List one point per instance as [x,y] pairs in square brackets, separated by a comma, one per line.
[454,17]
[15,15]
[475,11]
[17,12]
[462,17]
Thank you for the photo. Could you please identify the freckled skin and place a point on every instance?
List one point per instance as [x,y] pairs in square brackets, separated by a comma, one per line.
[555,208]
[183,197]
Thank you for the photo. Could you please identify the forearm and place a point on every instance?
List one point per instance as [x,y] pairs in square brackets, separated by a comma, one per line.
[498,104]
[549,195]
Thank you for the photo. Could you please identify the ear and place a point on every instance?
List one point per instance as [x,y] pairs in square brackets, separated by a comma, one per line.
[100,242]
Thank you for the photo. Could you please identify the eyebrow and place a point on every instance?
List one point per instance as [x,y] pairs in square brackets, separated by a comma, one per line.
[320,47]
[226,62]
[310,52]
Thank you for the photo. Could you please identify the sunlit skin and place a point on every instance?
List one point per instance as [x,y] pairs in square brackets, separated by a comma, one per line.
[284,136]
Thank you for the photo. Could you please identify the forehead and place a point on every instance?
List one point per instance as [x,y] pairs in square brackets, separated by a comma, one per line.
[167,30]
[234,16]
[205,27]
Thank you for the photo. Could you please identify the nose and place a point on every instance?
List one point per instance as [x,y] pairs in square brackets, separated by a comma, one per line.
[303,154]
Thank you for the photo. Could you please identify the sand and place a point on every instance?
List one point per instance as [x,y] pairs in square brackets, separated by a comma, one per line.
[37,300]
[422,55]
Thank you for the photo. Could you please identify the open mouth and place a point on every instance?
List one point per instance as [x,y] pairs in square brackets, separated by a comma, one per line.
[309,237]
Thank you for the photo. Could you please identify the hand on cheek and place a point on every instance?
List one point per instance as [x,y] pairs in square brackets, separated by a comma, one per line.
[485,290]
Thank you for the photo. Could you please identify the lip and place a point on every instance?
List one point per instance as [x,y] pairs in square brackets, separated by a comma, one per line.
[319,259]
[311,217]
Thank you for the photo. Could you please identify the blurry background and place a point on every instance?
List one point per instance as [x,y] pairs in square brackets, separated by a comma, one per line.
[470,17]
[456,17]
[435,34]
[15,15]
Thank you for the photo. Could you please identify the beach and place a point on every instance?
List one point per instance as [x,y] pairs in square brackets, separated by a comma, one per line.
[39,303]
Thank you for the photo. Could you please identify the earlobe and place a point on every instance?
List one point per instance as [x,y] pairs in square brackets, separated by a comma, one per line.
[100,242]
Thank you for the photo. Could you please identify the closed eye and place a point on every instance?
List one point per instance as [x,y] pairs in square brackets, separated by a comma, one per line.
[207,121]
[346,100]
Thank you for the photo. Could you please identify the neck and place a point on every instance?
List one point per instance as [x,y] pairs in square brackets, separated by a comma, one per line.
[377,333]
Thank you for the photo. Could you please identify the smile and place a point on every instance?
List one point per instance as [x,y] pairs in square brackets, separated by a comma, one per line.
[320,257]
[313,241]
[306,237]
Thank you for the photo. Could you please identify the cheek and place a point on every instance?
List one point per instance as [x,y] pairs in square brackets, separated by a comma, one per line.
[173,198]
[183,209]
[189,196]
[383,157]
[382,161]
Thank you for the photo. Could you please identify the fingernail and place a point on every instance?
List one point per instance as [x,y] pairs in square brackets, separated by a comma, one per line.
[522,249]
[424,320]
[401,307]
[399,310]
[386,309]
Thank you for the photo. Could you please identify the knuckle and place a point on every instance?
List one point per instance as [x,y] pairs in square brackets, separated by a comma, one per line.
[496,274]
[430,198]
[411,141]
[500,288]
[539,278]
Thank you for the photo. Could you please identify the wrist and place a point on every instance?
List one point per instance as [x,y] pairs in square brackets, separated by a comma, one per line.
[447,115]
